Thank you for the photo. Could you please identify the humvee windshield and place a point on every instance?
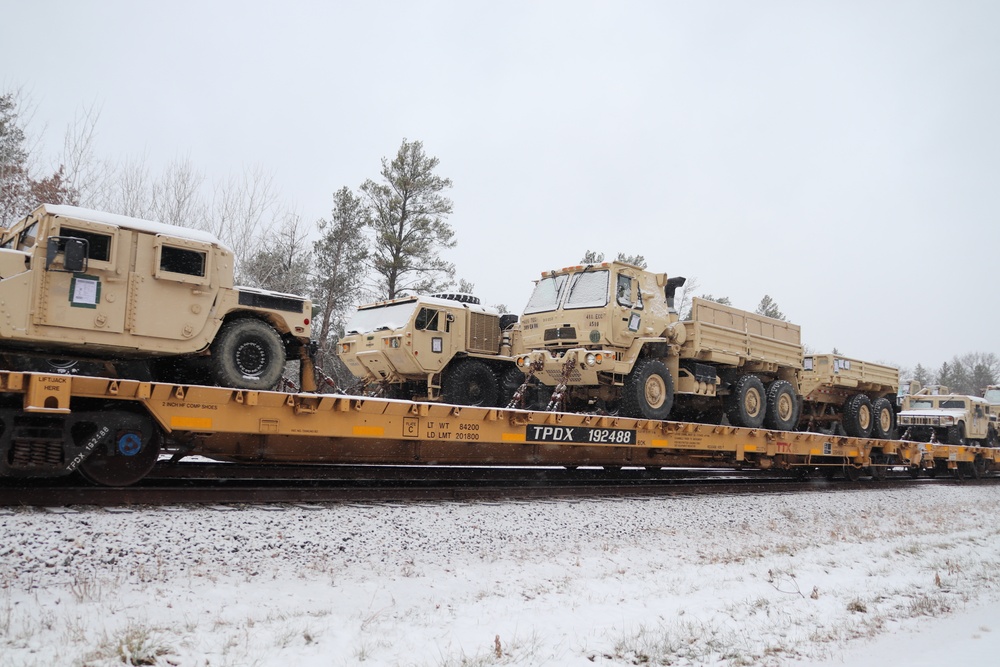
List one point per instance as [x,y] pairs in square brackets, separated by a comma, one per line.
[992,396]
[546,294]
[921,405]
[391,316]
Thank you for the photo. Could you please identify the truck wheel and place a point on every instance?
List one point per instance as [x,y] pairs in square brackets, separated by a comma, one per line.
[648,392]
[858,420]
[470,382]
[247,354]
[781,411]
[954,435]
[747,403]
[511,380]
[884,419]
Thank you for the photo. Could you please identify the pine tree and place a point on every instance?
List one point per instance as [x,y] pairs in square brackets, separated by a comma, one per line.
[769,308]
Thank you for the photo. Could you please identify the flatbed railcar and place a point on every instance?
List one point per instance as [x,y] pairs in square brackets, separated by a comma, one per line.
[113,432]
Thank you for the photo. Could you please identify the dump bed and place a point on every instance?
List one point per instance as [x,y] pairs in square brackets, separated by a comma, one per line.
[720,334]
[826,373]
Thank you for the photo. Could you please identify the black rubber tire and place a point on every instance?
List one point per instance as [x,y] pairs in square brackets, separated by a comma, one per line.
[510,380]
[247,354]
[648,391]
[954,435]
[746,405]
[782,410]
[857,420]
[470,382]
[883,419]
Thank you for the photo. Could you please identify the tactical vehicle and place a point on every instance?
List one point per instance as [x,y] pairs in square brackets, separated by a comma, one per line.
[857,395]
[141,299]
[443,347]
[948,418]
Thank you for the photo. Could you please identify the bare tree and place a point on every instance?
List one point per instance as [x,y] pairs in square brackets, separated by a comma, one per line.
[408,215]
[85,174]
[177,196]
[243,209]
[283,263]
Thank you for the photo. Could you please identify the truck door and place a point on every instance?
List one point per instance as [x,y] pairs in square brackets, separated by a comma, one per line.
[627,310]
[433,341]
[173,291]
[94,299]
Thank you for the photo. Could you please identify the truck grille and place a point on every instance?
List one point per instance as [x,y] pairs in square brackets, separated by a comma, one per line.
[484,333]
[567,334]
[919,421]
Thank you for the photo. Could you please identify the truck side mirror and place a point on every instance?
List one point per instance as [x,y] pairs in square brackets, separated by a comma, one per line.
[74,253]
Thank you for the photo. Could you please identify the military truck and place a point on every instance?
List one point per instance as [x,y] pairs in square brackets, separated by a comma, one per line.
[856,395]
[141,299]
[992,396]
[608,336]
[443,347]
[948,418]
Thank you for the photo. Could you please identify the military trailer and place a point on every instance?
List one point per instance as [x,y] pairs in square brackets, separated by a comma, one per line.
[608,336]
[948,418]
[443,347]
[857,395]
[143,300]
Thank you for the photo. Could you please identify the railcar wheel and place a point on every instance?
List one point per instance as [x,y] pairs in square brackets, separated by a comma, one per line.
[884,419]
[648,392]
[978,467]
[781,411]
[122,457]
[852,473]
[747,403]
[914,472]
[248,354]
[857,418]
[470,382]
[879,468]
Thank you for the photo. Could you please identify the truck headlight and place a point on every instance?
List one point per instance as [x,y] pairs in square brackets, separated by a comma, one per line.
[591,359]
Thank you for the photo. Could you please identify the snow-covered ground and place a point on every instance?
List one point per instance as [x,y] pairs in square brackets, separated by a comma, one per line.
[869,577]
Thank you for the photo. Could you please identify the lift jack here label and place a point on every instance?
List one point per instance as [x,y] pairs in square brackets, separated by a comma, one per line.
[580,434]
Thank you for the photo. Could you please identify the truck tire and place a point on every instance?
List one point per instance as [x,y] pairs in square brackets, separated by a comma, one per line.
[648,392]
[470,382]
[510,380]
[883,419]
[857,420]
[954,435]
[747,402]
[781,411]
[247,354]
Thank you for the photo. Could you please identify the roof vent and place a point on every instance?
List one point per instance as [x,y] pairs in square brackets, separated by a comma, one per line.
[461,297]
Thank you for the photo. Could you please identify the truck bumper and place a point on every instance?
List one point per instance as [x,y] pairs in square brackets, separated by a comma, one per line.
[577,366]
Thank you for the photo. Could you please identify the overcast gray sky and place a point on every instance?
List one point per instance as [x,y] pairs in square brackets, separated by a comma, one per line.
[843,157]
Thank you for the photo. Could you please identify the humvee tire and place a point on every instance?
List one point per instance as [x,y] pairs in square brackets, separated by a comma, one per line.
[470,382]
[884,419]
[247,354]
[648,392]
[781,411]
[955,434]
[747,403]
[857,420]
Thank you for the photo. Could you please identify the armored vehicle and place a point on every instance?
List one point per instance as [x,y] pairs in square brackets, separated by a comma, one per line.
[948,418]
[141,299]
[608,336]
[443,347]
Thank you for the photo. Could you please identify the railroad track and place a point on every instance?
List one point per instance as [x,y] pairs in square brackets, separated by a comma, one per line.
[238,484]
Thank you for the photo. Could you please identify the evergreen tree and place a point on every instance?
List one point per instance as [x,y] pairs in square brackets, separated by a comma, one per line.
[408,214]
[769,308]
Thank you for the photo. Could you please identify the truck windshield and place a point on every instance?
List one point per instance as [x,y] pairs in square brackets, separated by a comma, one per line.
[391,316]
[589,290]
[546,294]
[992,396]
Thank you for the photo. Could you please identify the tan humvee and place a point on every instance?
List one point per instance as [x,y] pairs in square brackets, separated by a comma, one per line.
[857,394]
[949,418]
[443,347]
[152,299]
[608,335]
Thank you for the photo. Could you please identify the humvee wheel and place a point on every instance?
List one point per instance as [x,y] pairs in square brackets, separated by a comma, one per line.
[884,419]
[858,416]
[954,434]
[747,403]
[648,392]
[129,455]
[247,354]
[780,411]
[470,382]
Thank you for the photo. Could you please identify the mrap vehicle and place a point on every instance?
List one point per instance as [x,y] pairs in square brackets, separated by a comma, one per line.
[140,299]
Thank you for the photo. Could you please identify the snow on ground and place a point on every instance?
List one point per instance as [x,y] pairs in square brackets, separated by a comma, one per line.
[825,577]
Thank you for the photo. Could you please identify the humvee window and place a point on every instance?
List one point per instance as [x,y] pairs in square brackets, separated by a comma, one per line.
[27,238]
[98,245]
[427,320]
[589,290]
[954,404]
[546,295]
[921,405]
[180,260]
